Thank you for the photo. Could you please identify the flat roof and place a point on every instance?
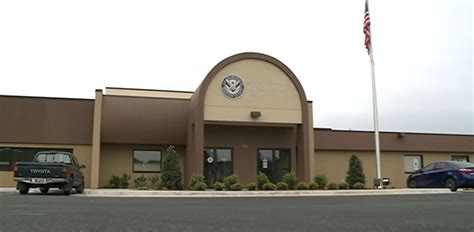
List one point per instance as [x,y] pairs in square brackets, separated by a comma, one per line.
[152,93]
[49,98]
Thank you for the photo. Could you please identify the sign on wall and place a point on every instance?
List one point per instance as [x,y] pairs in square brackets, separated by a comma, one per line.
[232,86]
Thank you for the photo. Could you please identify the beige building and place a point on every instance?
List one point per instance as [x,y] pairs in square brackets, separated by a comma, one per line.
[249,114]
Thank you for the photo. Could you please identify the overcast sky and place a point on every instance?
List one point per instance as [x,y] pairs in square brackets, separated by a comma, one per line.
[423,53]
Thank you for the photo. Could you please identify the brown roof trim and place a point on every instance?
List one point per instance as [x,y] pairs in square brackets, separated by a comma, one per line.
[154,90]
[394,132]
[393,141]
[66,144]
[48,98]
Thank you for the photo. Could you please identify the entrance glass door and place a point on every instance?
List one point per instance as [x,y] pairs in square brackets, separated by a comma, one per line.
[274,163]
[217,164]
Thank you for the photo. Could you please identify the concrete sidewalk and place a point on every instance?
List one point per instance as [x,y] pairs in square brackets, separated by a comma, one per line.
[212,193]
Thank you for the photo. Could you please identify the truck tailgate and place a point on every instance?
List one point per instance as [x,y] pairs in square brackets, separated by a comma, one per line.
[40,170]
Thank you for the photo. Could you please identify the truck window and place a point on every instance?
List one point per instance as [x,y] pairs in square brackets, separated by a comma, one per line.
[54,158]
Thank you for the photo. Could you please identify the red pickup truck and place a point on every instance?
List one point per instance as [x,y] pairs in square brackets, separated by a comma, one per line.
[50,169]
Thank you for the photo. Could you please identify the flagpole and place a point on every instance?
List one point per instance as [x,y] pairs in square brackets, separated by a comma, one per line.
[375,111]
[376,122]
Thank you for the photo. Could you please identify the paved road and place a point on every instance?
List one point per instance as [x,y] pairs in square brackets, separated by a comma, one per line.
[437,212]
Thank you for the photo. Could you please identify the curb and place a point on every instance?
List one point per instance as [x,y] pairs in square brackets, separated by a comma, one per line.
[245,193]
[288,193]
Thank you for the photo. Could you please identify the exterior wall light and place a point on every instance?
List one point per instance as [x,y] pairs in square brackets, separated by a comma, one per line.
[255,114]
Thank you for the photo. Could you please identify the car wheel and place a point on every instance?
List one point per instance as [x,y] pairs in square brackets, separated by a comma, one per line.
[44,190]
[80,188]
[68,187]
[411,184]
[451,185]
[24,191]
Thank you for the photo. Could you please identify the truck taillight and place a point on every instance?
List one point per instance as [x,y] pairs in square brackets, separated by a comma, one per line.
[15,170]
[65,172]
[466,171]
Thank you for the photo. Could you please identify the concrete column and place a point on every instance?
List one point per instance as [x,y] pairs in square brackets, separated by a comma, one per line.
[311,165]
[95,161]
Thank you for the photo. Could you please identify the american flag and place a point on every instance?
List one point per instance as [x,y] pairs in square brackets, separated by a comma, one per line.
[367,27]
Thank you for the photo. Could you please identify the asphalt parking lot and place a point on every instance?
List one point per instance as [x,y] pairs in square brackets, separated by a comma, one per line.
[54,212]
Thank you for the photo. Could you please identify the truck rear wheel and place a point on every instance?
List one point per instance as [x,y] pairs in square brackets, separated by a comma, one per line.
[80,188]
[24,189]
[68,187]
[44,190]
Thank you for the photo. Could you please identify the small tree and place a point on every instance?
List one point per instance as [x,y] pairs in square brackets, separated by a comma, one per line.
[196,179]
[291,179]
[229,181]
[171,177]
[261,180]
[355,173]
[321,181]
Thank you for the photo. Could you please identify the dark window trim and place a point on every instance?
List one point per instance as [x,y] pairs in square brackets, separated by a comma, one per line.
[465,156]
[161,160]
[421,160]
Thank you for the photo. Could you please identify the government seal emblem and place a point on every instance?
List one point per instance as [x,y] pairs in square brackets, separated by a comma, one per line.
[232,86]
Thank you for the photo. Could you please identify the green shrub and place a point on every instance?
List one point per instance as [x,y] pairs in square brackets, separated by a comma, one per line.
[269,186]
[343,185]
[236,187]
[219,186]
[119,181]
[290,179]
[155,182]
[114,182]
[333,186]
[262,179]
[355,173]
[251,186]
[141,183]
[171,177]
[200,186]
[229,181]
[302,186]
[358,186]
[196,179]
[321,180]
[282,186]
[313,185]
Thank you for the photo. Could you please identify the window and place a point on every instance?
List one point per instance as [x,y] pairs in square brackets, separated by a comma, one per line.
[146,161]
[274,163]
[10,155]
[54,158]
[217,164]
[440,166]
[429,167]
[412,163]
[461,158]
